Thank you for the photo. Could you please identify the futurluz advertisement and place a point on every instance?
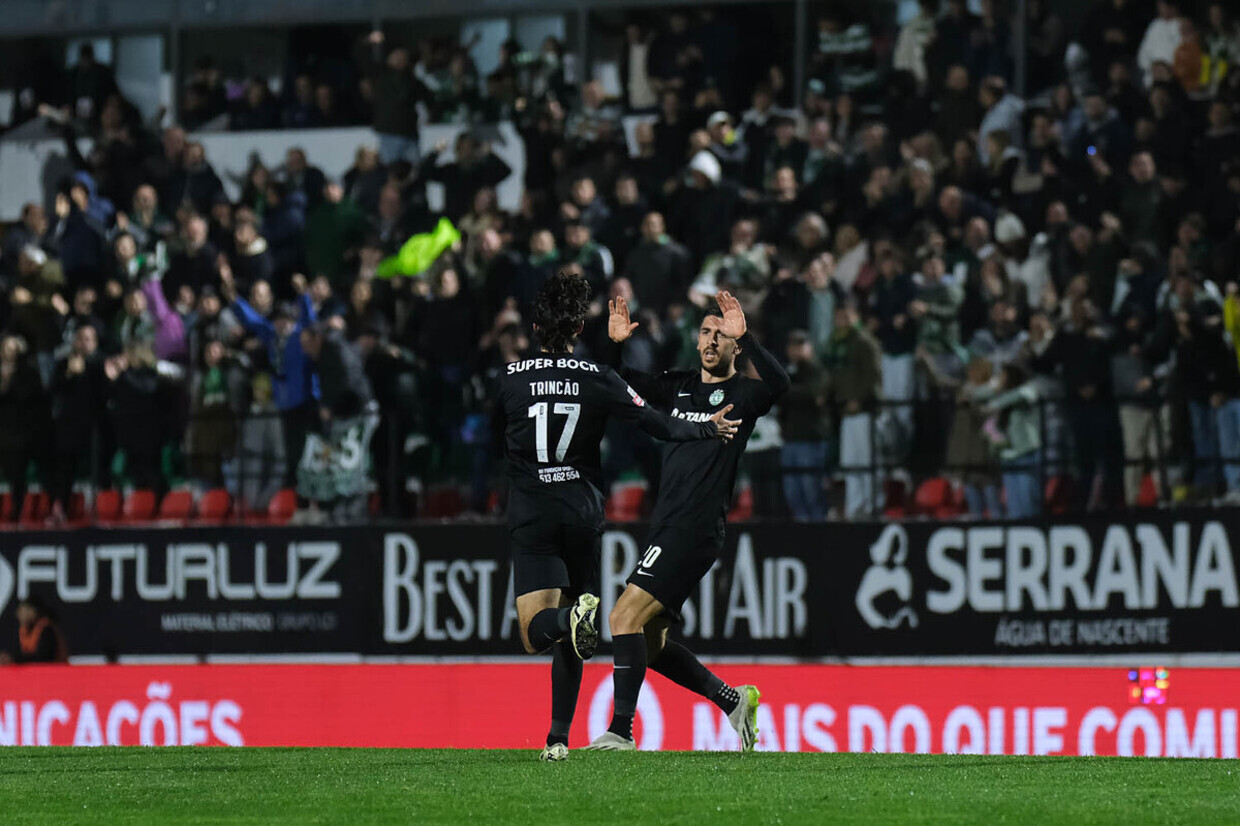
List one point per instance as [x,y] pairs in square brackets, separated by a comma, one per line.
[1149,710]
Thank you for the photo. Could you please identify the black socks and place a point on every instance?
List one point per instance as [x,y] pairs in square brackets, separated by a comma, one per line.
[547,627]
[565,684]
[727,698]
[679,665]
[629,651]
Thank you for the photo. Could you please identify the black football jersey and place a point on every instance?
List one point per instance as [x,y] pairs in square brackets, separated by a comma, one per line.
[555,408]
[696,484]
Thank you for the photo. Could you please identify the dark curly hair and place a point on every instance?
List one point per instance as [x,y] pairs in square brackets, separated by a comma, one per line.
[562,305]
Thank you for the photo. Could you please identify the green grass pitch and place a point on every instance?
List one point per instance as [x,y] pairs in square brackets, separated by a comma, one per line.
[184,785]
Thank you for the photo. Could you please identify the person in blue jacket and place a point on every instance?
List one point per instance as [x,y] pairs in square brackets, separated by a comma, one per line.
[294,383]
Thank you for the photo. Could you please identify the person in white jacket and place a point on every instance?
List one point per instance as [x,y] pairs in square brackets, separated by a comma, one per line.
[1162,38]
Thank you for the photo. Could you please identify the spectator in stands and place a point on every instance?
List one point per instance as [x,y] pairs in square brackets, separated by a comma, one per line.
[196,182]
[90,83]
[211,437]
[658,267]
[39,638]
[303,179]
[335,230]
[893,323]
[1002,111]
[1162,38]
[249,261]
[475,166]
[365,179]
[139,416]
[30,231]
[1210,377]
[396,92]
[1081,352]
[256,110]
[283,230]
[299,112]
[805,424]
[969,449]
[853,363]
[24,417]
[262,467]
[1016,431]
[195,265]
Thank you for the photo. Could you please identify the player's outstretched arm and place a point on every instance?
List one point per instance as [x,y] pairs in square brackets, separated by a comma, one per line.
[626,404]
[620,327]
[767,366]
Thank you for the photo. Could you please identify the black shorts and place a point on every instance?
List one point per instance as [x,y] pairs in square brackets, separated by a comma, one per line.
[674,562]
[551,549]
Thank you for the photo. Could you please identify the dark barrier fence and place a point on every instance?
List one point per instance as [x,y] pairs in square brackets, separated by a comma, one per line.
[1086,457]
[1164,584]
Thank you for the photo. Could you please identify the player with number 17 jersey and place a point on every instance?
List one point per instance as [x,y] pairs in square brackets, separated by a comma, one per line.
[553,407]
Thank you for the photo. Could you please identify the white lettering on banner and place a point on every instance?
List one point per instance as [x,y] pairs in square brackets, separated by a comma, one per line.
[160,722]
[437,599]
[772,605]
[1041,730]
[185,564]
[995,570]
[1202,742]
[964,720]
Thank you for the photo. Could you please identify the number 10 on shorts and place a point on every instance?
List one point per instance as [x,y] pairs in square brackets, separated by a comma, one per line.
[652,553]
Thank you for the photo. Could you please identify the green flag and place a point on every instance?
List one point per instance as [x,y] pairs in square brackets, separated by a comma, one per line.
[420,251]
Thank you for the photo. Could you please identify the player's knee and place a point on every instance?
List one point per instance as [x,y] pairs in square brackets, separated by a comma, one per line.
[623,620]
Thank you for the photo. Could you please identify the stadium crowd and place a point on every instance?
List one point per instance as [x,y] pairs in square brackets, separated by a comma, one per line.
[965,283]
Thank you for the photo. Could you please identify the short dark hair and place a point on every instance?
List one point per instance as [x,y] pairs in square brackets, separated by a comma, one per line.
[562,306]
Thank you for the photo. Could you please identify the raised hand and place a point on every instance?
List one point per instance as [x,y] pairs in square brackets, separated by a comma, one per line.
[726,427]
[619,325]
[733,316]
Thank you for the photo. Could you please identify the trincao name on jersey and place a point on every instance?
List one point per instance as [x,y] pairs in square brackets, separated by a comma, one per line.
[554,411]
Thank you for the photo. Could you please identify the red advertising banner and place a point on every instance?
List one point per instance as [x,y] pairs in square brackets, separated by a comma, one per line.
[968,710]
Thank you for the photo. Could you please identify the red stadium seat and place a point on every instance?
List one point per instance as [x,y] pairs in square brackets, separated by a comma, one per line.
[933,495]
[742,510]
[1147,497]
[215,505]
[35,509]
[282,506]
[1058,495]
[177,504]
[443,502]
[625,503]
[139,506]
[76,513]
[107,506]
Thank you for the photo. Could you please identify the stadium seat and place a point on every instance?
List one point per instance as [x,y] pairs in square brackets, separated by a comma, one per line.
[107,506]
[35,509]
[76,513]
[895,498]
[625,503]
[443,502]
[139,506]
[742,509]
[282,506]
[933,496]
[215,505]
[6,506]
[177,504]
[1147,496]
[1058,495]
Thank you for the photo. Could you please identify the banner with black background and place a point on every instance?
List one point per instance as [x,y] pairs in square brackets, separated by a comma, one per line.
[1161,584]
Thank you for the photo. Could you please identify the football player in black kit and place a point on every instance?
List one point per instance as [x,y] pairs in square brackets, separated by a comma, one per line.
[686,535]
[553,409]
